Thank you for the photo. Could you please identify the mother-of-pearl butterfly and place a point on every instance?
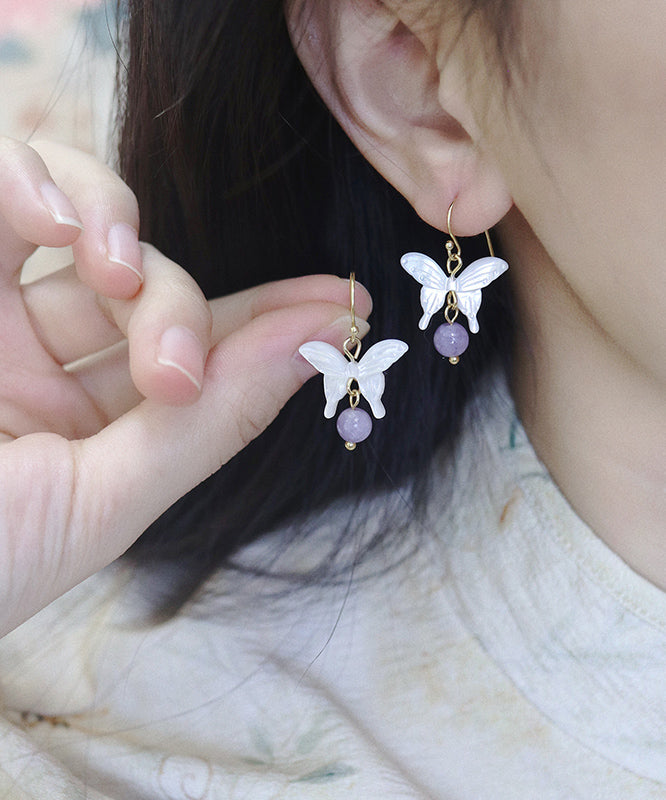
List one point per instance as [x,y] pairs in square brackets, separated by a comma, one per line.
[368,372]
[436,284]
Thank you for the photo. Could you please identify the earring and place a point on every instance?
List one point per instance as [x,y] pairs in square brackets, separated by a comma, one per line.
[345,374]
[459,292]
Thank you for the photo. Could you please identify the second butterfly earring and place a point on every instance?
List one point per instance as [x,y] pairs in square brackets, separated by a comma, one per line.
[346,375]
[460,291]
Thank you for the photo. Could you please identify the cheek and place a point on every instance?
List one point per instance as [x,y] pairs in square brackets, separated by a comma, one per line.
[583,149]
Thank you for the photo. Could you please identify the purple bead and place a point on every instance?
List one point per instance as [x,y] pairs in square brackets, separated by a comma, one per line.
[451,340]
[354,425]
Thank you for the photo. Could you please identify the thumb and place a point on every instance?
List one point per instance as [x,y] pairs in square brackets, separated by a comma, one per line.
[157,453]
[128,474]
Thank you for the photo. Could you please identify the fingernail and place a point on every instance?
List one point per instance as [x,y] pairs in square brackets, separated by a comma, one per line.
[60,206]
[181,349]
[123,247]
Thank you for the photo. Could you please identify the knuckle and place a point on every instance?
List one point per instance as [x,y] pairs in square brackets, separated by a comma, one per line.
[98,186]
[113,183]
[183,292]
[248,425]
[169,284]
[85,175]
[118,195]
[85,517]
[41,495]
[194,296]
[255,407]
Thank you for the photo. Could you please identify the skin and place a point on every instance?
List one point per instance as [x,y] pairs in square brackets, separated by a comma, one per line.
[87,453]
[570,164]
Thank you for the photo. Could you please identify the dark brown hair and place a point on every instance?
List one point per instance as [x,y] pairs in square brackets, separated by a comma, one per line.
[242,176]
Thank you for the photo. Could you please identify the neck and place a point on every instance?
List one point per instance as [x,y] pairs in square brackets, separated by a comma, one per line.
[595,418]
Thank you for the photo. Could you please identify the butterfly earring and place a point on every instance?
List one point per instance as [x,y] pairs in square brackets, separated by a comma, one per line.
[346,374]
[460,292]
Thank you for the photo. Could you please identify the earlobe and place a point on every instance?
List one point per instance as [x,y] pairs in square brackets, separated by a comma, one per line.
[379,76]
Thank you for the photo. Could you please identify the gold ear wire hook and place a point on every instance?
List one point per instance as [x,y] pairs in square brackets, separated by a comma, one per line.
[490,244]
[455,240]
[352,341]
[448,227]
[352,308]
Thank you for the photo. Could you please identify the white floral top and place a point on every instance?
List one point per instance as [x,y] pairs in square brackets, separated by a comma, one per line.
[501,652]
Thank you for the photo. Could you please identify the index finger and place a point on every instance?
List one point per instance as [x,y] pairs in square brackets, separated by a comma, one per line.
[33,209]
[107,253]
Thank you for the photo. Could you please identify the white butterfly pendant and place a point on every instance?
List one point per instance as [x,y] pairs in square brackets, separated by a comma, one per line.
[368,372]
[436,284]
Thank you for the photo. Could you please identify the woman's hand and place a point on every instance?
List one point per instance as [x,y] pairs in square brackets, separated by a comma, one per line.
[121,387]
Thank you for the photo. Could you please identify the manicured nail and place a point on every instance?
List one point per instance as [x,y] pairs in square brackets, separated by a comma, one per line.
[123,247]
[181,349]
[60,206]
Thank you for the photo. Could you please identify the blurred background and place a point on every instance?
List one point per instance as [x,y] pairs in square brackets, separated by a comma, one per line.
[57,78]
[57,71]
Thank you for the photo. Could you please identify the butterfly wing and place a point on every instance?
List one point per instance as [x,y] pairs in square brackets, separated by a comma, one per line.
[335,388]
[329,361]
[471,280]
[480,273]
[434,283]
[371,368]
[470,303]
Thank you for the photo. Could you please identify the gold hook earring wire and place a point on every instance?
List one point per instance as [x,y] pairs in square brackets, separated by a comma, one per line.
[455,240]
[352,307]
[448,227]
[490,244]
[352,340]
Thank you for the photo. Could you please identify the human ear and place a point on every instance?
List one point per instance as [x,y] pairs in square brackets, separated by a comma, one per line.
[381,72]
